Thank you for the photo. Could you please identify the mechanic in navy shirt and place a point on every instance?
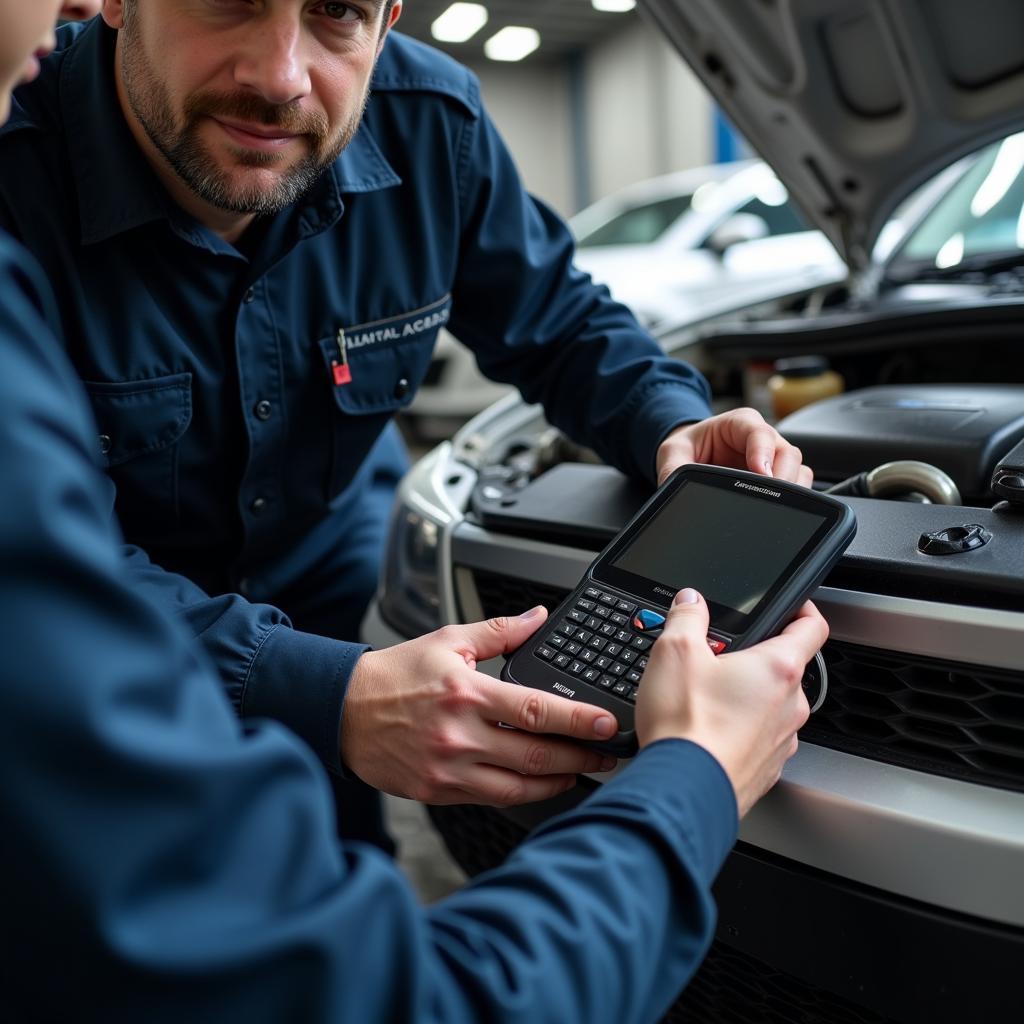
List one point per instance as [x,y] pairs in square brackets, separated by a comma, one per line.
[250,273]
[163,863]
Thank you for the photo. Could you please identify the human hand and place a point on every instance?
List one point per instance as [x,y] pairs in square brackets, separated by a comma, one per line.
[419,721]
[740,439]
[744,708]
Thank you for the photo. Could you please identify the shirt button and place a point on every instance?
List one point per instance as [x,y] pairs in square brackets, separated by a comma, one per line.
[249,296]
[257,505]
[262,410]
[105,444]
[401,388]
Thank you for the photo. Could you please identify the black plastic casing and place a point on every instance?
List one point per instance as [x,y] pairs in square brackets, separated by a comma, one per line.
[800,579]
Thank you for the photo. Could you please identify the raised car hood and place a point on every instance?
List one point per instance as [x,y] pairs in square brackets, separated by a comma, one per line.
[856,102]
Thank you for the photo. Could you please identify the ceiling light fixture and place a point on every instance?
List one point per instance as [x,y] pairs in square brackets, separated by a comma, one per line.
[613,6]
[459,23]
[512,43]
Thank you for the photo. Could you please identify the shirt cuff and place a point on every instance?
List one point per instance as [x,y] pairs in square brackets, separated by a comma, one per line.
[300,679]
[664,408]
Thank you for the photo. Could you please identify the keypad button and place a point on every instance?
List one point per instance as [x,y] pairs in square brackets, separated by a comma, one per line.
[641,664]
[624,637]
[612,650]
[607,630]
[597,643]
[619,619]
[609,599]
[617,669]
[628,657]
[592,623]
[555,640]
[593,593]
[602,611]
[567,628]
[633,676]
[625,606]
[577,667]
[606,682]
[561,660]
[587,655]
[642,643]
[587,606]
[602,662]
[592,675]
[546,653]
[621,688]
[572,647]
[582,635]
[577,616]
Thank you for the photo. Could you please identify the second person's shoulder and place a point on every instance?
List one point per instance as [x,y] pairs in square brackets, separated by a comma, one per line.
[409,66]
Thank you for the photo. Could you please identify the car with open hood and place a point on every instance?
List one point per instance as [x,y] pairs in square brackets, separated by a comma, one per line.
[881,879]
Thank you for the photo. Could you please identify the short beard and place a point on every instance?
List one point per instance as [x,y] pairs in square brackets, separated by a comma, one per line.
[183,149]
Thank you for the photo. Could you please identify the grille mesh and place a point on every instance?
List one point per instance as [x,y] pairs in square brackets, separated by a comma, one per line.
[944,718]
[730,987]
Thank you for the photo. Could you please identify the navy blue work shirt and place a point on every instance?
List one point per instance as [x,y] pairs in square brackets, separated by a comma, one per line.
[239,449]
[161,862]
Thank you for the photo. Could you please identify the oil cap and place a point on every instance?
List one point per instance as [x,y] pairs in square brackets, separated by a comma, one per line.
[954,540]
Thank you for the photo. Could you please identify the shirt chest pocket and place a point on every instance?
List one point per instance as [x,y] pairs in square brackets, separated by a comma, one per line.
[373,371]
[377,367]
[140,426]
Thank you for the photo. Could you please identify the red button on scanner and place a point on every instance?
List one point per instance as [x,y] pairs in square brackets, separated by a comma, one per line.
[716,645]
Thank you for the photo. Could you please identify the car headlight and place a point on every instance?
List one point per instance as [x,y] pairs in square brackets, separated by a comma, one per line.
[430,501]
[411,598]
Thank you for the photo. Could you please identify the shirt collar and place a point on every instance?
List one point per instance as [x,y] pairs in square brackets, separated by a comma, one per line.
[119,191]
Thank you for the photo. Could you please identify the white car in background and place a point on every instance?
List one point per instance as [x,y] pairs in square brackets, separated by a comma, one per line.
[675,249]
[700,242]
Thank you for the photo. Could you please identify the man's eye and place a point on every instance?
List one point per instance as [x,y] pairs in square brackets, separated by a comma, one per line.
[341,12]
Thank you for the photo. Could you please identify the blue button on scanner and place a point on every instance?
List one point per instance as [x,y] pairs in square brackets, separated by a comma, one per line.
[646,620]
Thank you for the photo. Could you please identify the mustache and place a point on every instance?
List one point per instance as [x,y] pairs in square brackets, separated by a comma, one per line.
[289,117]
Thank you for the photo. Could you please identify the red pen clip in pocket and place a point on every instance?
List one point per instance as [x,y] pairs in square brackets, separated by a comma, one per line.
[341,372]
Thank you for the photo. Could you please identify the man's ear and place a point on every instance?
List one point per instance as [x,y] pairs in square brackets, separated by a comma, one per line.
[393,16]
[113,13]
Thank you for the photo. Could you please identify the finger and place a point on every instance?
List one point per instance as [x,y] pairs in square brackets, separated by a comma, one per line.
[687,615]
[787,462]
[488,639]
[805,478]
[808,632]
[530,754]
[536,711]
[760,449]
[500,787]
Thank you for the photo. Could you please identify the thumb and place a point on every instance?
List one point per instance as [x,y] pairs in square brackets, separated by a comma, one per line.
[492,637]
[688,615]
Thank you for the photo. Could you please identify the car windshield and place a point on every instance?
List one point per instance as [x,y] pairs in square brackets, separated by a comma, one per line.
[639,225]
[977,225]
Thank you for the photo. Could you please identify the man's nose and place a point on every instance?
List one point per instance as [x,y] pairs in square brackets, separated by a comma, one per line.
[80,10]
[272,62]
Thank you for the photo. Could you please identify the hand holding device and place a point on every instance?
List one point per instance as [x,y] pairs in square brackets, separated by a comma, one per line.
[419,721]
[755,547]
[739,438]
[744,708]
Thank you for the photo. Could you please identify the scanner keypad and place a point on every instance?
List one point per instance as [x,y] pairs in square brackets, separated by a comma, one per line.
[605,640]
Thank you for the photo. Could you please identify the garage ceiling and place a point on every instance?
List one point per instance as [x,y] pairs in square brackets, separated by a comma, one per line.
[565,26]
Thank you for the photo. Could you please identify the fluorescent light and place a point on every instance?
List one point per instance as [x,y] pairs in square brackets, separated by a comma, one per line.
[512,43]
[459,23]
[613,6]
